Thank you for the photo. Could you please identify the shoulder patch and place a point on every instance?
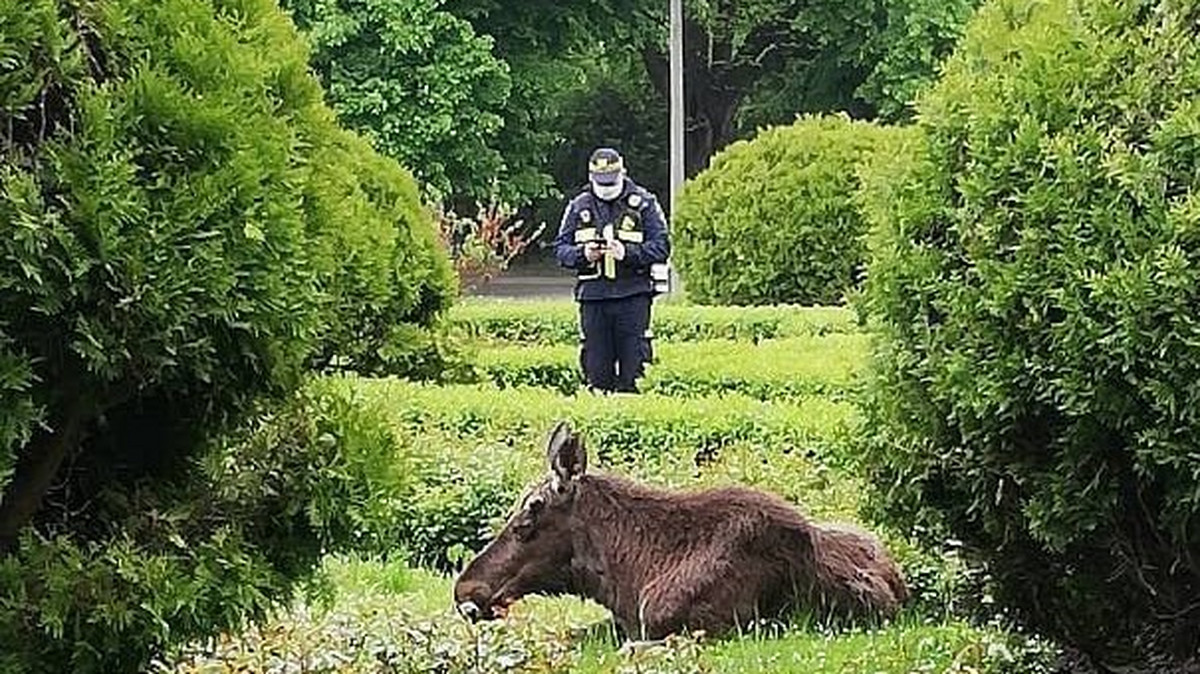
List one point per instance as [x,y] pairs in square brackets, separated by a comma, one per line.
[635,200]
[585,215]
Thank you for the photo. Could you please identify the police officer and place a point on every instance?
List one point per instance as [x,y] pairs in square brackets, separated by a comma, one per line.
[612,233]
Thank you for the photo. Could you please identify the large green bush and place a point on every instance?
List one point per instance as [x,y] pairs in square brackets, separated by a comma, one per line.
[1035,280]
[773,220]
[221,541]
[184,232]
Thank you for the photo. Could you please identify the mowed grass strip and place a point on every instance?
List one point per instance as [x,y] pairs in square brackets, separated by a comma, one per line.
[557,321]
[768,370]
[387,617]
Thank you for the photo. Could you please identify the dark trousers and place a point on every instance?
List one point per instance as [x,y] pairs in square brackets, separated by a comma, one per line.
[614,341]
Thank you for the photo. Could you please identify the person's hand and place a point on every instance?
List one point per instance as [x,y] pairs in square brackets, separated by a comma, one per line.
[617,249]
[592,251]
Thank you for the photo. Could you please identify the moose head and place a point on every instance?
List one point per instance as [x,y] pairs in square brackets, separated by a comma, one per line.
[534,551]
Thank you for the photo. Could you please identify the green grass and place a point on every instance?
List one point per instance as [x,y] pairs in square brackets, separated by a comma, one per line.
[752,396]
[557,322]
[768,370]
[388,618]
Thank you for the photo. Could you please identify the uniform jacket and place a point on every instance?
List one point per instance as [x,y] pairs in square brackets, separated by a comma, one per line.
[636,218]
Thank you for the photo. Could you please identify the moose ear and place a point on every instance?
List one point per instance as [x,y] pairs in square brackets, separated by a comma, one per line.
[567,455]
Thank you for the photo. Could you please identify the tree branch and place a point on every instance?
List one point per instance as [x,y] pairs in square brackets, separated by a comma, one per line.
[44,455]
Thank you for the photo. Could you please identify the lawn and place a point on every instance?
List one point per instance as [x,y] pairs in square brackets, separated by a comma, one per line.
[761,396]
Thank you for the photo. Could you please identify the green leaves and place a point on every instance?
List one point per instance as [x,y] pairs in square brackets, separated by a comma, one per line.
[1034,281]
[418,82]
[185,232]
[774,220]
[551,322]
[775,369]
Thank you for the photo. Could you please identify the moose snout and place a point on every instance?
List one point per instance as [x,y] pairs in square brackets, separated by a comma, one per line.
[470,611]
[471,600]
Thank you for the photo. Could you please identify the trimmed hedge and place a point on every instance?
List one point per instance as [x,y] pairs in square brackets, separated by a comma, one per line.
[472,450]
[226,540]
[773,220]
[769,370]
[1035,285]
[557,322]
[185,233]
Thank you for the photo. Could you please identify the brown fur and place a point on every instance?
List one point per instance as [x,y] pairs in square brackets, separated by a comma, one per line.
[666,561]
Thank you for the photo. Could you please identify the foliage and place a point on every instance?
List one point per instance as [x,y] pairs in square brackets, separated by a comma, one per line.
[554,322]
[390,278]
[909,51]
[875,73]
[387,619]
[781,369]
[762,63]
[184,233]
[482,247]
[614,106]
[467,452]
[475,431]
[419,82]
[252,514]
[585,73]
[1034,283]
[542,42]
[774,220]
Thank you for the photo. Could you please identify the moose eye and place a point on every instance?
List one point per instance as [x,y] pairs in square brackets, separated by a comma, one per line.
[525,529]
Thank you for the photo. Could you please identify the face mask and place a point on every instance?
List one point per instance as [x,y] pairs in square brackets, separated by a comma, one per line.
[607,192]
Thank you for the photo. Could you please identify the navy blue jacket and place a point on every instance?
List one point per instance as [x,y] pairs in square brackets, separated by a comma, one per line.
[632,273]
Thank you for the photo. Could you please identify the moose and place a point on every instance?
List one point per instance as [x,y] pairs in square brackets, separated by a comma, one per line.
[669,561]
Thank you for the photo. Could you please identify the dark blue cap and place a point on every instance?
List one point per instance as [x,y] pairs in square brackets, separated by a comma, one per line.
[606,166]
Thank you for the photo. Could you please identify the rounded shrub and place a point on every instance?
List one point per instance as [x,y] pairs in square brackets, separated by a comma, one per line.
[1034,282]
[185,232]
[223,541]
[773,220]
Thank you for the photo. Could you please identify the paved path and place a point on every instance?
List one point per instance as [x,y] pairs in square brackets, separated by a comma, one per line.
[541,281]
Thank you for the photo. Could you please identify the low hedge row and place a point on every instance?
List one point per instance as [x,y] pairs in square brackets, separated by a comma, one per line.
[557,322]
[769,370]
[629,428]
[468,451]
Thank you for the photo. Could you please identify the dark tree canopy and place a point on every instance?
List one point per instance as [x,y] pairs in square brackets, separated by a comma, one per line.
[476,95]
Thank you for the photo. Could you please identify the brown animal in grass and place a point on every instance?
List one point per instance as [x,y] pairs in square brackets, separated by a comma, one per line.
[665,562]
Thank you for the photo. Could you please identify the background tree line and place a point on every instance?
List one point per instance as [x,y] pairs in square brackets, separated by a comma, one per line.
[487,100]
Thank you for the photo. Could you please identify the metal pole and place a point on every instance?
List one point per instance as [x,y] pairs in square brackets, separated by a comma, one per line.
[677,118]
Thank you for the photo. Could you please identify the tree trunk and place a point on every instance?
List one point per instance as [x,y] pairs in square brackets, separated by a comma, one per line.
[712,93]
[42,458]
[710,126]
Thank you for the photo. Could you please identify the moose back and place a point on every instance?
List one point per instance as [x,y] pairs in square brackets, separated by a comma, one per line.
[665,561]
